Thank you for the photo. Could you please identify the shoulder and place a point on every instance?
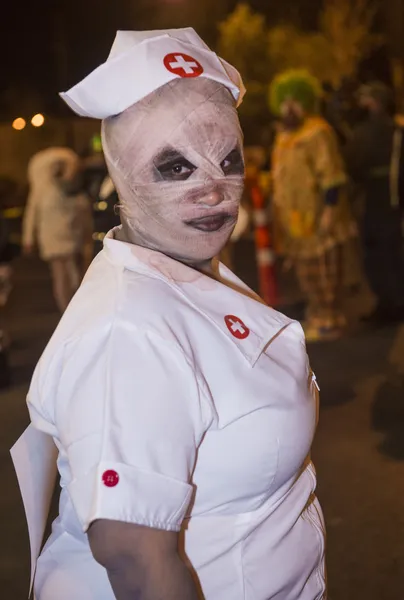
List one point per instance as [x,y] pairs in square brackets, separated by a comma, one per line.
[118,321]
[317,128]
[147,300]
[113,300]
[317,124]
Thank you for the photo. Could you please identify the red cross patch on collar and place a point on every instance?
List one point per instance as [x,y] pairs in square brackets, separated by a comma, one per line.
[236,327]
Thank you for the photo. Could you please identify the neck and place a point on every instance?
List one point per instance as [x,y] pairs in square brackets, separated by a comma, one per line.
[207,266]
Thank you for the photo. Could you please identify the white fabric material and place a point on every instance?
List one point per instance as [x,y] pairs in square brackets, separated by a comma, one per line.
[136,67]
[126,40]
[197,120]
[34,458]
[57,222]
[130,384]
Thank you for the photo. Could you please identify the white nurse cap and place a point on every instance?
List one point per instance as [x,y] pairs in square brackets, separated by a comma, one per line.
[142,61]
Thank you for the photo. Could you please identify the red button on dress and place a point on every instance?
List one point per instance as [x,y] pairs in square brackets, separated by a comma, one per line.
[182,65]
[110,478]
[236,327]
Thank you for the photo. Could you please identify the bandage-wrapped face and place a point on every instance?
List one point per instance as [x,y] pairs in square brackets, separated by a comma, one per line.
[176,160]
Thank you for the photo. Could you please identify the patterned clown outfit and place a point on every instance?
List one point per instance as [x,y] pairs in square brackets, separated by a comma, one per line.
[308,175]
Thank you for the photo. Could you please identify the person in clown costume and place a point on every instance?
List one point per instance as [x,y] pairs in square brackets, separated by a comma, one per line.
[310,205]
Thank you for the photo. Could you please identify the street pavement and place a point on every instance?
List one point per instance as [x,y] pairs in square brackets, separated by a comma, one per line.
[359,448]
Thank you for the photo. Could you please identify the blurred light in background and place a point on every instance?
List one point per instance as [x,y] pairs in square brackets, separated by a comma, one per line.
[19,124]
[100,205]
[98,236]
[96,143]
[38,120]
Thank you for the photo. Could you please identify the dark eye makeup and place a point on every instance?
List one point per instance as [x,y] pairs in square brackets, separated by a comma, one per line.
[233,163]
[173,166]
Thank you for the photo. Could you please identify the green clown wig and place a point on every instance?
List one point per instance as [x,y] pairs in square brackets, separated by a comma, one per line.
[297,85]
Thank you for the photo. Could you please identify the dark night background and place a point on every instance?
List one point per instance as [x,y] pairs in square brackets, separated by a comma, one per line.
[49,45]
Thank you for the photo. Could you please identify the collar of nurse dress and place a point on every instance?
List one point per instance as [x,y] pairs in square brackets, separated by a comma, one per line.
[236,310]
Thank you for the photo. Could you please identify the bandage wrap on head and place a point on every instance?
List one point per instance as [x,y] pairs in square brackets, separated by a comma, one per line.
[180,105]
[196,119]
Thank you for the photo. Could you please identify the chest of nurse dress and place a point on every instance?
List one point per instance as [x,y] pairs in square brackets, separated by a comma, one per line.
[254,529]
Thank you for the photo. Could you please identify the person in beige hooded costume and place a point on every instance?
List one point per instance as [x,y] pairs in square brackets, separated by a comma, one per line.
[58,219]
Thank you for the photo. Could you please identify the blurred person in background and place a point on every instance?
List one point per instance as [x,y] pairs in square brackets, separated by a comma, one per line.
[374,158]
[7,254]
[333,111]
[101,191]
[94,169]
[6,269]
[310,204]
[58,219]
[106,211]
[9,199]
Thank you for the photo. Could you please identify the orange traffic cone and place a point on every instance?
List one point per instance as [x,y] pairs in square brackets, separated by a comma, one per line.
[263,244]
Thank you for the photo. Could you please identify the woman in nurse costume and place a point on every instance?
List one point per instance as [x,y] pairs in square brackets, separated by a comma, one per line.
[182,407]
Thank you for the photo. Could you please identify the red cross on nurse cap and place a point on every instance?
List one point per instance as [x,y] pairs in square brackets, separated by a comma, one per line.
[142,61]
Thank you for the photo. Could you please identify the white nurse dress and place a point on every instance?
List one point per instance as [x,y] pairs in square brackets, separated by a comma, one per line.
[181,403]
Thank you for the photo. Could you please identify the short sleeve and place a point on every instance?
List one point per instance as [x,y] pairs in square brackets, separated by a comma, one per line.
[129,416]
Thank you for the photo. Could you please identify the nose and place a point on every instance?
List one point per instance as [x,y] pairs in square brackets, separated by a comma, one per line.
[212,198]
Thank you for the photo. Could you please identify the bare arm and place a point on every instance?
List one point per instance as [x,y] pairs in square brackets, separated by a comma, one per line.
[142,563]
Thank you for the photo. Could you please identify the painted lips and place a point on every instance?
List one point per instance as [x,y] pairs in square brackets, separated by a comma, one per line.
[211,222]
